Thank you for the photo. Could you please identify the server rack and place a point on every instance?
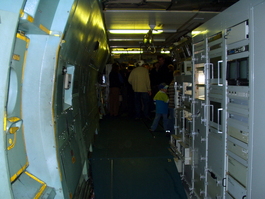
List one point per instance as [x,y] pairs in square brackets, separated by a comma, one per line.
[223,138]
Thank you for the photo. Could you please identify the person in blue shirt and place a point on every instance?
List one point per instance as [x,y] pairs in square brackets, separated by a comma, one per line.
[161,100]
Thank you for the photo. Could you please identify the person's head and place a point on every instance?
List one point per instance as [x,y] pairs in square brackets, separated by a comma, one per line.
[163,87]
[123,66]
[161,60]
[139,63]
[130,68]
[147,66]
[156,65]
[176,73]
[115,67]
[170,67]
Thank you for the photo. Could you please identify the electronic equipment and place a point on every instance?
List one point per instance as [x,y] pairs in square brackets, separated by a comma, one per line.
[238,72]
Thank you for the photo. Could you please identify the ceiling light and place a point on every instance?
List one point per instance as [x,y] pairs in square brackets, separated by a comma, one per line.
[126,52]
[165,52]
[126,49]
[134,31]
[140,39]
[195,32]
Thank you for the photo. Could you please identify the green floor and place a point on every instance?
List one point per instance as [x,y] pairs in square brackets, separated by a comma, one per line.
[129,163]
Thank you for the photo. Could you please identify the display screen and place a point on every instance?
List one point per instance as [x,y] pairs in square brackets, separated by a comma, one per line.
[238,72]
[243,69]
[232,70]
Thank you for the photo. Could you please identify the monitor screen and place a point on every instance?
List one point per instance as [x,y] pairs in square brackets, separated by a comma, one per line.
[238,72]
[243,69]
[232,71]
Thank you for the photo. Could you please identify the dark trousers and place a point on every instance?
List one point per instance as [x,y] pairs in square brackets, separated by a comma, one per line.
[114,102]
[141,98]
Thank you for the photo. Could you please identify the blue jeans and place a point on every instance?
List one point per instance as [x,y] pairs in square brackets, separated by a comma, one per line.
[171,120]
[156,121]
[139,98]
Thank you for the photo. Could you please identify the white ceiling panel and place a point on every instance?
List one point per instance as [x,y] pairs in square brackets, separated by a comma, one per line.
[158,15]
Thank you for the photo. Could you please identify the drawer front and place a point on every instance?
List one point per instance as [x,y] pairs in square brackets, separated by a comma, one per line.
[238,134]
[238,150]
[235,189]
[237,170]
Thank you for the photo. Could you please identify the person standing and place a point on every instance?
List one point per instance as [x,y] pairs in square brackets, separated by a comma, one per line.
[161,101]
[140,81]
[124,89]
[130,97]
[163,71]
[115,81]
[155,79]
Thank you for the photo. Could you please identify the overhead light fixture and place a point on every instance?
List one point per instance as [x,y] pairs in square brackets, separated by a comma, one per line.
[126,52]
[126,49]
[195,32]
[134,31]
[165,52]
[133,51]
[139,39]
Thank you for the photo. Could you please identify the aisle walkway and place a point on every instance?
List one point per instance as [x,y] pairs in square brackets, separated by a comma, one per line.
[129,163]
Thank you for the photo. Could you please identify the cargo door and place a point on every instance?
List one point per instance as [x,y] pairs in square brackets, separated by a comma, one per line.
[16,150]
[24,184]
